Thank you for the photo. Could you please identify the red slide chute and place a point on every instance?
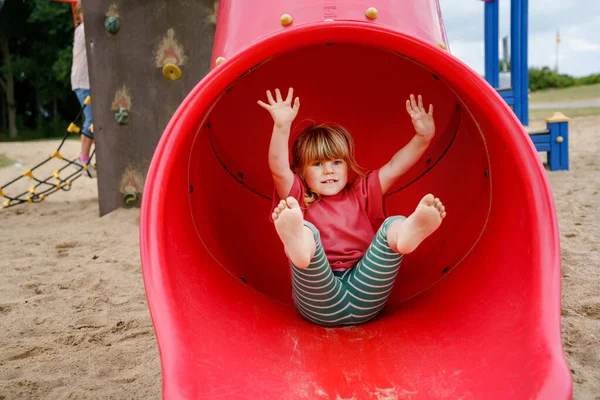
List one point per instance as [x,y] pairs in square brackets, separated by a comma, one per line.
[475,312]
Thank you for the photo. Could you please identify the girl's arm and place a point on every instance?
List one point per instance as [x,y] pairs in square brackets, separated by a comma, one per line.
[407,156]
[283,114]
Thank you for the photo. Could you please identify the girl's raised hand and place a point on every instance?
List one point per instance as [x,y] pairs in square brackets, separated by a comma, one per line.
[281,110]
[421,119]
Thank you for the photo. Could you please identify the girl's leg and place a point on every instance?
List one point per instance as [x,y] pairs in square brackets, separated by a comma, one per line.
[297,239]
[318,294]
[406,235]
[370,283]
[87,137]
[87,112]
[82,94]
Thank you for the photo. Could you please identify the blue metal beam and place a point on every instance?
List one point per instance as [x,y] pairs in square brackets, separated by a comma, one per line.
[492,38]
[519,64]
[508,95]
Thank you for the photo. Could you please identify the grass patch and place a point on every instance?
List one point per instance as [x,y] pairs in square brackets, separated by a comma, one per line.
[575,93]
[569,112]
[5,161]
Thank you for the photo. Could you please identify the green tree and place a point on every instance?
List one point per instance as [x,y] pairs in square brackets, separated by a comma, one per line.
[54,27]
[13,15]
[543,78]
[36,38]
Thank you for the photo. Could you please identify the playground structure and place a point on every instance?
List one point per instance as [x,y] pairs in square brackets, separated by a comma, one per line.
[476,310]
[63,177]
[174,47]
[554,140]
[60,180]
[143,58]
[121,183]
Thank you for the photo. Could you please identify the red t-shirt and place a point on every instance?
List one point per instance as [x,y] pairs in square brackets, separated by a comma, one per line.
[347,221]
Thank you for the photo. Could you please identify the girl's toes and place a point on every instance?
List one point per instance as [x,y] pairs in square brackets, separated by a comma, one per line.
[275,216]
[282,205]
[443,215]
[443,209]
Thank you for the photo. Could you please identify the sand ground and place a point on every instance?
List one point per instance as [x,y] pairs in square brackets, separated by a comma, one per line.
[73,312]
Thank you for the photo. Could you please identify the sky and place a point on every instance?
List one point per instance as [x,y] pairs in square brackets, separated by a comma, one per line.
[577,20]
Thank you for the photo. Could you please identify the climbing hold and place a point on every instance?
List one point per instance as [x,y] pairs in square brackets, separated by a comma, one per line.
[73,128]
[88,100]
[30,199]
[42,196]
[286,19]
[112,24]
[28,174]
[32,190]
[130,198]
[56,154]
[219,60]
[68,183]
[559,139]
[442,46]
[1,193]
[56,175]
[122,116]
[372,13]
[6,203]
[57,185]
[172,72]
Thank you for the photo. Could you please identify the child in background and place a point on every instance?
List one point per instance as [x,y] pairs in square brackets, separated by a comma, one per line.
[343,249]
[80,83]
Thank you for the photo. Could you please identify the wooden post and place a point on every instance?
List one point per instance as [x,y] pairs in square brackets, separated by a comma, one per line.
[134,85]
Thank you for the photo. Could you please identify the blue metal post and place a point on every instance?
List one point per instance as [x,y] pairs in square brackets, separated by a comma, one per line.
[492,37]
[558,156]
[518,64]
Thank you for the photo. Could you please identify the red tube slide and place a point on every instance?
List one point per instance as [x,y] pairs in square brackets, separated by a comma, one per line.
[475,312]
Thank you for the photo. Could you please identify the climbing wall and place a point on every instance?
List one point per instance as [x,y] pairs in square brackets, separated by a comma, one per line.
[144,57]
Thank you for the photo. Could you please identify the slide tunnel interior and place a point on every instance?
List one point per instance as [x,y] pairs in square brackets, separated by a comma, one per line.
[481,294]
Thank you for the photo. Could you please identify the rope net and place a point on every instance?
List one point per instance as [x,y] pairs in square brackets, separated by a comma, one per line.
[66,172]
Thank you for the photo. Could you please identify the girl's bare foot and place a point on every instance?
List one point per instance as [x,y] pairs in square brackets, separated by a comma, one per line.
[298,240]
[404,236]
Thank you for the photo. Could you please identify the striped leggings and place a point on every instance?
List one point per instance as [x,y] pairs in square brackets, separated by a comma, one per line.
[350,297]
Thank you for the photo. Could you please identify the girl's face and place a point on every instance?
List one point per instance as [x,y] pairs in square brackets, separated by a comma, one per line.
[326,178]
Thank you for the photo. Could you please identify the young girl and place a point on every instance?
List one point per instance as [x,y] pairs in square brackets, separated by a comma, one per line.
[80,83]
[344,252]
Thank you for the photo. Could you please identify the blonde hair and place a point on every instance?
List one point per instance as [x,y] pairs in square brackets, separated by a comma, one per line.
[322,142]
[78,12]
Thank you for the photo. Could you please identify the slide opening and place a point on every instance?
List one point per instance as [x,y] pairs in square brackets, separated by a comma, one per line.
[215,272]
[364,89]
